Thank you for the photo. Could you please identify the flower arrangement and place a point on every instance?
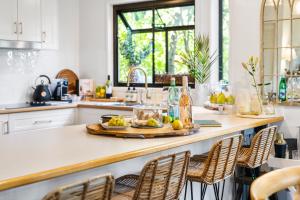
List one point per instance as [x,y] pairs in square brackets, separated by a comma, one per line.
[251,68]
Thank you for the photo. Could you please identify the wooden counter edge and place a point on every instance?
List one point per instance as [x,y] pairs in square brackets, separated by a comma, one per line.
[45,175]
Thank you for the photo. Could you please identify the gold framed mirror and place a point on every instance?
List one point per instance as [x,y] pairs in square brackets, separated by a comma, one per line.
[280,41]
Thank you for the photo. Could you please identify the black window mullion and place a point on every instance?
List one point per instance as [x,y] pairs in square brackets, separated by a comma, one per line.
[221,40]
[167,51]
[153,46]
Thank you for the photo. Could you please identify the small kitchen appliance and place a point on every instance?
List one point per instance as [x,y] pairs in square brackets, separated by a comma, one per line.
[42,92]
[59,89]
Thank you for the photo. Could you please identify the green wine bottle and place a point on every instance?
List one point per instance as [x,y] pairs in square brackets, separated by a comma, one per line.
[282,89]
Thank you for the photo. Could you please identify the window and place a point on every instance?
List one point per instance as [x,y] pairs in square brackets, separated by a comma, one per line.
[152,35]
[224,40]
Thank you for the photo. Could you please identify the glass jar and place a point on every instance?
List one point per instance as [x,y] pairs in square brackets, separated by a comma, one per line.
[141,114]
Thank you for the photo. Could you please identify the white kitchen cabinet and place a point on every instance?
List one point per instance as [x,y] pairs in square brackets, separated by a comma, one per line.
[3,124]
[49,24]
[91,115]
[29,20]
[24,122]
[8,19]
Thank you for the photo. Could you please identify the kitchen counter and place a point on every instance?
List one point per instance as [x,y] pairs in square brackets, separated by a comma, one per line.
[82,104]
[36,156]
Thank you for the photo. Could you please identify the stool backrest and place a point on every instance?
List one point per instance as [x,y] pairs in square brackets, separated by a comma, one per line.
[222,159]
[261,146]
[163,178]
[276,181]
[99,188]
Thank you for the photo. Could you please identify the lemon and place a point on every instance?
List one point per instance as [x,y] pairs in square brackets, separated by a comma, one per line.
[177,125]
[213,98]
[152,122]
[167,119]
[230,100]
[221,98]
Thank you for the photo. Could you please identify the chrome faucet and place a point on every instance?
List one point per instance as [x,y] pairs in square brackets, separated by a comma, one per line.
[146,82]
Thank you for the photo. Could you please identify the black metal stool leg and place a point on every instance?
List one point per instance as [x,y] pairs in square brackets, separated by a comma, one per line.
[203,191]
[192,195]
[185,190]
[223,189]
[216,191]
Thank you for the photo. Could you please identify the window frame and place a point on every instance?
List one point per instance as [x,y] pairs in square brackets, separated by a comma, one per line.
[221,66]
[149,5]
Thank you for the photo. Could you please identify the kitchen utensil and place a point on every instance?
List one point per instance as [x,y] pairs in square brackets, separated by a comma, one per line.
[42,92]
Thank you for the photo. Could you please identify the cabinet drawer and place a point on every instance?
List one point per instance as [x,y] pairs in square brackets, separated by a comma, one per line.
[41,120]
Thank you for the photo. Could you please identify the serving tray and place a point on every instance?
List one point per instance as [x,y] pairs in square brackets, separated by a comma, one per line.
[166,131]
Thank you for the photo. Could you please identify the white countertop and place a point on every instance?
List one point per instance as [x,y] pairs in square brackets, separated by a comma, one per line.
[40,155]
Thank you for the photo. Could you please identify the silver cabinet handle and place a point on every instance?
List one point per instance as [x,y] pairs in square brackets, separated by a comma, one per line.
[16,28]
[42,122]
[21,28]
[44,36]
[6,128]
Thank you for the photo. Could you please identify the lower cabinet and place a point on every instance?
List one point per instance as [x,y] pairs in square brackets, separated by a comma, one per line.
[3,124]
[23,122]
[91,115]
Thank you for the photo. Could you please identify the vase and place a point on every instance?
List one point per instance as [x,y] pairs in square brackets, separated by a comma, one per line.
[201,94]
[256,106]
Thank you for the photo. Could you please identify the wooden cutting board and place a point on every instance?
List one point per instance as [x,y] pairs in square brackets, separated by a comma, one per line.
[166,131]
[108,100]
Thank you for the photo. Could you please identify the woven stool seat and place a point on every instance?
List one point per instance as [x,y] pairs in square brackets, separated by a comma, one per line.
[250,159]
[99,188]
[125,187]
[214,167]
[160,179]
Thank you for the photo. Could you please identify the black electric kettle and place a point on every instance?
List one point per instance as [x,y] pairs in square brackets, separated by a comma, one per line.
[42,92]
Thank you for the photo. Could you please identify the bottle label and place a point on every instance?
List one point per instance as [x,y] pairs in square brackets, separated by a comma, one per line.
[173,112]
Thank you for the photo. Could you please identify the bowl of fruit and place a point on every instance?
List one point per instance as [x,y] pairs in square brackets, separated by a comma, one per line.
[116,123]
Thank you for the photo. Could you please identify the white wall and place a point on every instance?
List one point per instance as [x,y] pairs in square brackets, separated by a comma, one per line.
[15,86]
[244,36]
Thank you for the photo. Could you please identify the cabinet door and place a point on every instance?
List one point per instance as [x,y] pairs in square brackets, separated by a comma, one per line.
[8,19]
[29,20]
[49,24]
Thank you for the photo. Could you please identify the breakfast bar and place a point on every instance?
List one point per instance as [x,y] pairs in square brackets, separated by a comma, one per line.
[67,154]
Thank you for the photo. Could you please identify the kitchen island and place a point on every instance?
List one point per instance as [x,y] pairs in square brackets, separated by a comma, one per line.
[35,163]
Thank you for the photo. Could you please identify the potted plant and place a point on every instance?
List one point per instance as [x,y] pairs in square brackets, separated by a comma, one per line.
[199,62]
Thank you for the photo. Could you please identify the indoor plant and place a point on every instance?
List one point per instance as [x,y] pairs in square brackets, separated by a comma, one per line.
[199,62]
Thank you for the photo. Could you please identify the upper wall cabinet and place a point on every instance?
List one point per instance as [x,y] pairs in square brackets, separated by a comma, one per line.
[20,20]
[49,24]
[8,19]
[29,18]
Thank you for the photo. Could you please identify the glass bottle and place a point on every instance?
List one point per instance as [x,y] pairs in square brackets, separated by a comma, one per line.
[173,100]
[185,105]
[109,87]
[282,89]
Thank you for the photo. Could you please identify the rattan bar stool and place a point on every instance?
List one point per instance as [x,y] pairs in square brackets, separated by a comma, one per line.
[160,179]
[98,188]
[214,167]
[255,156]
